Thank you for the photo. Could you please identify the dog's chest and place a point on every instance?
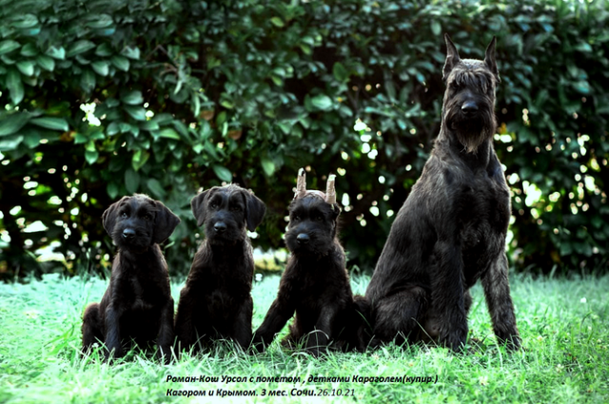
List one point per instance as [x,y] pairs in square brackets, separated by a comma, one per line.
[483,217]
[142,294]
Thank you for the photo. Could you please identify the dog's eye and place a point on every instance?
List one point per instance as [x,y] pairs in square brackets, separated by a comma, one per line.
[124,215]
[147,217]
[236,208]
[318,218]
[296,218]
[213,205]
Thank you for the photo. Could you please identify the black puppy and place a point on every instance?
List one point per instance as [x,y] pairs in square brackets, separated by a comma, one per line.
[315,283]
[216,300]
[137,303]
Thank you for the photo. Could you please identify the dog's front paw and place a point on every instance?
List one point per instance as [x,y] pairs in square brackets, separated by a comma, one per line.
[258,345]
[164,353]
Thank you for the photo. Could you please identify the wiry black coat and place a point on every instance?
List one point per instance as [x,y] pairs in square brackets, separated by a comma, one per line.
[451,230]
[216,300]
[137,304]
[315,285]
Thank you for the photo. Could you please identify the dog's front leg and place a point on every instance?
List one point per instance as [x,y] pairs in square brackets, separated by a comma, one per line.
[166,335]
[242,329]
[112,338]
[280,312]
[447,296]
[319,338]
[497,292]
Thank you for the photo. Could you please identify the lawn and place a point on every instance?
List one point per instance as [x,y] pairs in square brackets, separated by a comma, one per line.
[564,324]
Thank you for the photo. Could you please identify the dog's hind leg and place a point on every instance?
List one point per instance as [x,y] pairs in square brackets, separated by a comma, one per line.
[399,316]
[91,327]
[497,291]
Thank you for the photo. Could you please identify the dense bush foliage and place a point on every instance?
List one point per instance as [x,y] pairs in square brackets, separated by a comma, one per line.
[107,98]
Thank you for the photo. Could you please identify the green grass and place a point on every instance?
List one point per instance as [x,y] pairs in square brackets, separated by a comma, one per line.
[564,325]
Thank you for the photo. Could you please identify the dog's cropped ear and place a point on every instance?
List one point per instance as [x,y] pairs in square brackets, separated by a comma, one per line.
[109,215]
[254,211]
[489,58]
[164,223]
[198,205]
[452,57]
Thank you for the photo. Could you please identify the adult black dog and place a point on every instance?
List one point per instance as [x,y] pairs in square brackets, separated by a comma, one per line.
[137,303]
[315,282]
[451,230]
[216,301]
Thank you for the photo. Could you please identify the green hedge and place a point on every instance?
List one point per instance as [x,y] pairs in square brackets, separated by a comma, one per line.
[107,98]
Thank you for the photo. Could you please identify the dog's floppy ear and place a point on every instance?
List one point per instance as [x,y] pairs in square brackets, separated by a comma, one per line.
[452,57]
[109,215]
[164,223]
[197,205]
[254,211]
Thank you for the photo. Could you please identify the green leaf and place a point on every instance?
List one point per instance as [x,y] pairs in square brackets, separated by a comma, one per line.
[157,189]
[131,52]
[278,22]
[31,138]
[112,128]
[120,62]
[79,138]
[132,181]
[340,73]
[25,21]
[87,81]
[168,133]
[137,113]
[45,62]
[436,28]
[15,86]
[101,67]
[140,157]
[10,142]
[56,53]
[222,173]
[104,50]
[91,156]
[80,47]
[112,190]
[322,102]
[12,123]
[51,123]
[8,46]
[149,125]
[132,97]
[29,50]
[100,21]
[267,166]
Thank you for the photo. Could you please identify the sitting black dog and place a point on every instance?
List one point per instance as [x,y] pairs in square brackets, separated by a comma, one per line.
[216,301]
[315,283]
[138,302]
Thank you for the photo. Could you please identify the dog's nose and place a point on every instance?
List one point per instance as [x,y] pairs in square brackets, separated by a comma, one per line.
[302,238]
[128,233]
[220,227]
[469,107]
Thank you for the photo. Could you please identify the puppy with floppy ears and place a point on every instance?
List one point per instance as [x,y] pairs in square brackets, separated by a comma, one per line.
[315,283]
[216,301]
[138,302]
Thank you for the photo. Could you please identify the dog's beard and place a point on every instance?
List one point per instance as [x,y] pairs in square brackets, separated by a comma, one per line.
[472,131]
[138,244]
[316,247]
